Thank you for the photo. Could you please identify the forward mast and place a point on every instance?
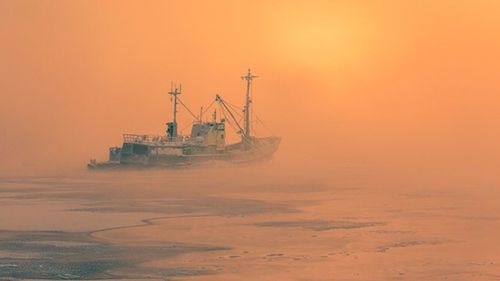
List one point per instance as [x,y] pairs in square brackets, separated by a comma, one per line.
[172,126]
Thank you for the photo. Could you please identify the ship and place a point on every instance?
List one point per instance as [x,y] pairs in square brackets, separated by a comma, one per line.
[205,145]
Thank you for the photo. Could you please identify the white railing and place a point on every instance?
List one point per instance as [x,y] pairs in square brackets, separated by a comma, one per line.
[152,139]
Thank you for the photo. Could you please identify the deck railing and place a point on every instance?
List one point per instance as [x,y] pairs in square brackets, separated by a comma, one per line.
[152,139]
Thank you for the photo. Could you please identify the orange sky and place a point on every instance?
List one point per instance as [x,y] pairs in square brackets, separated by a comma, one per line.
[405,83]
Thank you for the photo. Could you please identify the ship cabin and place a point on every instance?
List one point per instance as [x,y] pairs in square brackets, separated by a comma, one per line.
[211,135]
[206,139]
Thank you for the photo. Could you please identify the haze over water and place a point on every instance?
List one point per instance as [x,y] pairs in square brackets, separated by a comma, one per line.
[388,113]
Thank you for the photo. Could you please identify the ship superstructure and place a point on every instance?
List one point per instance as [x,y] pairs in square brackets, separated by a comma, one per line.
[206,142]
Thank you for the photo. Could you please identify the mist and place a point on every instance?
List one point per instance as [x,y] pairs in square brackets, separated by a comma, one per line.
[388,113]
[409,88]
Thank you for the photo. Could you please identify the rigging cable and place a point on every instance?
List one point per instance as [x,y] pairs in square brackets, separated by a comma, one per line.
[190,124]
[239,108]
[221,102]
[190,112]
[206,110]
[262,123]
[227,119]
[236,109]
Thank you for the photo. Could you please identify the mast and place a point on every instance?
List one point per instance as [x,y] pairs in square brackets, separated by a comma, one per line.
[248,101]
[172,126]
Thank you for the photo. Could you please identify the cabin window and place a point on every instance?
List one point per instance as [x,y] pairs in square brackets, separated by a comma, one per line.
[127,147]
[140,149]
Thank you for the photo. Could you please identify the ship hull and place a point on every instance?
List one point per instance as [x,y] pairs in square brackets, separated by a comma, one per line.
[147,156]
